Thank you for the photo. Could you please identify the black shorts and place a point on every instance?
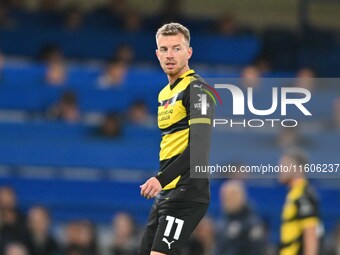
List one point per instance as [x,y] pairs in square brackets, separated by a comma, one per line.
[170,224]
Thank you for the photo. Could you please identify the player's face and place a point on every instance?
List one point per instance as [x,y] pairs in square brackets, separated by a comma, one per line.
[173,53]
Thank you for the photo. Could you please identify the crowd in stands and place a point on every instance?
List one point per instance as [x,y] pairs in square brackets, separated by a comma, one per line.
[114,14]
[113,77]
[238,230]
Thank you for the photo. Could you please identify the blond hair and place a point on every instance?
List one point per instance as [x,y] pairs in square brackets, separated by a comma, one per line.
[174,29]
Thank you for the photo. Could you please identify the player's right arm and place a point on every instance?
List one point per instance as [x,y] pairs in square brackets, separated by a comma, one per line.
[309,222]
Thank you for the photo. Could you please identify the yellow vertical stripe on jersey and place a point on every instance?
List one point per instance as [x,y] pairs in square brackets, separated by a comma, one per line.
[290,231]
[174,144]
[289,211]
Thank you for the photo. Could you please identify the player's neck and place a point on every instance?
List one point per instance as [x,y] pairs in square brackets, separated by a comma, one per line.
[296,181]
[173,78]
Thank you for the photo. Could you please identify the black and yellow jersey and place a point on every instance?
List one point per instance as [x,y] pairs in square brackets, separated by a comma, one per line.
[178,120]
[299,212]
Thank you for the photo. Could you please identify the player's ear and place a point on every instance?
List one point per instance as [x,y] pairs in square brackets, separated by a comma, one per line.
[157,54]
[189,53]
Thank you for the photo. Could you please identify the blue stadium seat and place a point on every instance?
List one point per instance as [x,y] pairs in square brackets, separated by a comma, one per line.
[237,51]
[29,99]
[84,44]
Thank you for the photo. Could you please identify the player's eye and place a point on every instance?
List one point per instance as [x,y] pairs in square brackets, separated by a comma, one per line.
[163,49]
[177,49]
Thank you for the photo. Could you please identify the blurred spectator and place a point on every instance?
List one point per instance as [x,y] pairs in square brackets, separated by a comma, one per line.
[55,73]
[301,207]
[123,240]
[170,11]
[193,247]
[12,222]
[336,114]
[333,244]
[49,5]
[306,79]
[241,232]
[114,75]
[14,4]
[290,137]
[51,54]
[306,73]
[88,237]
[139,114]
[125,53]
[205,234]
[117,8]
[262,63]
[132,21]
[66,109]
[251,76]
[72,238]
[202,240]
[7,198]
[227,25]
[15,249]
[111,126]
[40,242]
[80,238]
[5,20]
[73,19]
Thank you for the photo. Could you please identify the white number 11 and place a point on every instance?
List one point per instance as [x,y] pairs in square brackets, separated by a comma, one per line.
[169,225]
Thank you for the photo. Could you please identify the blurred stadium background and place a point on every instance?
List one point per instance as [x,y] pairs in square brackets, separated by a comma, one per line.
[78,100]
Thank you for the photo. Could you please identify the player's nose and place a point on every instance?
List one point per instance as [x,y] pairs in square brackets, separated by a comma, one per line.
[170,54]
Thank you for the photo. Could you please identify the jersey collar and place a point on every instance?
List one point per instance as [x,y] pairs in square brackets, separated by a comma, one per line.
[187,73]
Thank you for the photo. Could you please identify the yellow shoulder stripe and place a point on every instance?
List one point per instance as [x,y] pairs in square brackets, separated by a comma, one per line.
[200,121]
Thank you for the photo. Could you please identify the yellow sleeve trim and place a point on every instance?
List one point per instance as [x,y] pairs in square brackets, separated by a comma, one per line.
[200,121]
[172,184]
[309,222]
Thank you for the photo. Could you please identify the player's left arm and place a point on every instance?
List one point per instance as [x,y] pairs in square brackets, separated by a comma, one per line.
[310,241]
[309,221]
[199,138]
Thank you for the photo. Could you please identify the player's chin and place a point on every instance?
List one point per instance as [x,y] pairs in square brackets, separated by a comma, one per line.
[170,71]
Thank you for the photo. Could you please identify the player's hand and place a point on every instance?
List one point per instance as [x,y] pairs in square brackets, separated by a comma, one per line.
[150,188]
